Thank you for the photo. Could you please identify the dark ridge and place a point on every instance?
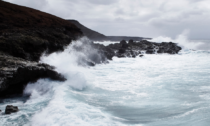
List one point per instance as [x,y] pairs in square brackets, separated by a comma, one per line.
[96,36]
[91,34]
[24,17]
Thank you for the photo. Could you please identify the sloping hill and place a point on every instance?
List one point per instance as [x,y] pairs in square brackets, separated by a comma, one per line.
[24,17]
[93,35]
[96,36]
[27,33]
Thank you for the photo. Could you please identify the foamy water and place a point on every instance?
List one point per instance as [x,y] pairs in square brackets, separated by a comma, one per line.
[155,90]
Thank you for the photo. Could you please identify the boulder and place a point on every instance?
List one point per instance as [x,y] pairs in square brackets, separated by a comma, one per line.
[123,42]
[141,55]
[11,109]
[121,50]
[125,46]
[131,41]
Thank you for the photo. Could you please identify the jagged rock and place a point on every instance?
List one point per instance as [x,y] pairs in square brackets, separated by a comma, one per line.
[11,109]
[15,73]
[133,49]
[123,42]
[122,50]
[130,41]
[125,46]
[105,52]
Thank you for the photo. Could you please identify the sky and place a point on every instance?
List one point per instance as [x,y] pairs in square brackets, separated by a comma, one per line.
[143,18]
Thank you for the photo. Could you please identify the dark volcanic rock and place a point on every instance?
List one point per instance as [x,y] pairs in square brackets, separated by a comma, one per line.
[131,41]
[15,73]
[123,42]
[98,53]
[133,49]
[11,109]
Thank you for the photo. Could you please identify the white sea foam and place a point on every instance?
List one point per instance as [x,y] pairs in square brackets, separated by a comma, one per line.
[106,43]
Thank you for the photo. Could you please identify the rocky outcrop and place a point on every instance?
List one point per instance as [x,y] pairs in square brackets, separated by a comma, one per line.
[15,73]
[11,109]
[136,48]
[95,53]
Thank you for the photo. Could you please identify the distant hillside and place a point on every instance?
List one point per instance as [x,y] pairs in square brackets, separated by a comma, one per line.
[96,36]
[93,35]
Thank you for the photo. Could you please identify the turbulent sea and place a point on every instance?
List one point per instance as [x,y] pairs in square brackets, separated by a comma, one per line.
[155,90]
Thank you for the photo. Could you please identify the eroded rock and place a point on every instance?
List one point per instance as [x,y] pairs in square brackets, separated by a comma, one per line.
[15,73]
[133,49]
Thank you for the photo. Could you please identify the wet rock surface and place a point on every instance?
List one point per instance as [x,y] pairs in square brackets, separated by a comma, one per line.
[96,53]
[137,48]
[15,73]
[11,109]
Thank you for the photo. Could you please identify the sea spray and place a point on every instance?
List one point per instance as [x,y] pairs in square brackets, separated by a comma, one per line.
[72,60]
[181,39]
[66,95]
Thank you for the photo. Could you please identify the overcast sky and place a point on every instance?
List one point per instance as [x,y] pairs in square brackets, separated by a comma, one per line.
[145,18]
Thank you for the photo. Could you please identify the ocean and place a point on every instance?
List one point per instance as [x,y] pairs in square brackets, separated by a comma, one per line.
[154,90]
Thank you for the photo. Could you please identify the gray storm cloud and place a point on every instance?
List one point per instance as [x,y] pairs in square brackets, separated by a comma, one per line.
[147,18]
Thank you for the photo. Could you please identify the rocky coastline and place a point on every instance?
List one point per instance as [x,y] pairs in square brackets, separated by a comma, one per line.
[25,34]
[132,49]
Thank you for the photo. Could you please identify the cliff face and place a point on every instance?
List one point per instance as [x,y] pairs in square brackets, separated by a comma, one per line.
[25,34]
[96,36]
